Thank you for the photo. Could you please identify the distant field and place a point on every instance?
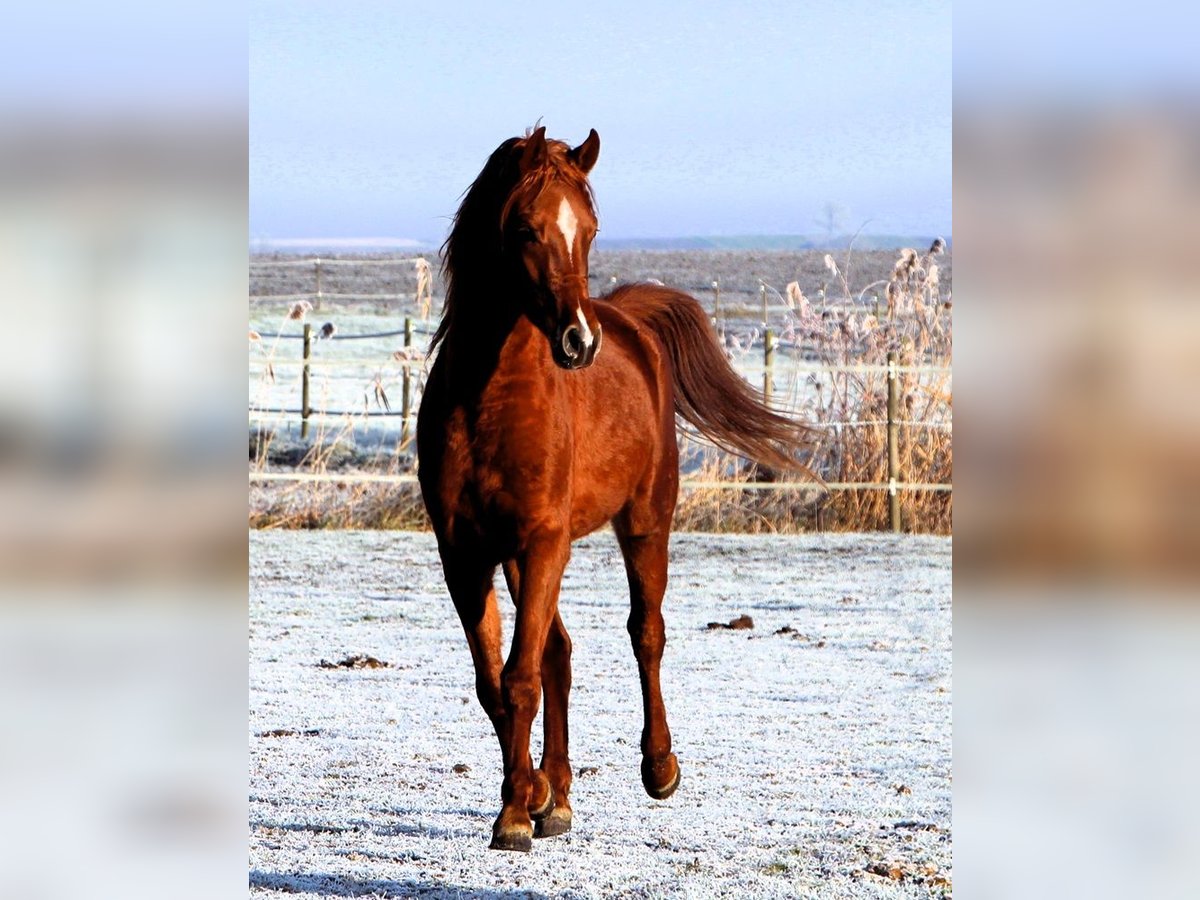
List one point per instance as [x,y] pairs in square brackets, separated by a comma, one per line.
[738,271]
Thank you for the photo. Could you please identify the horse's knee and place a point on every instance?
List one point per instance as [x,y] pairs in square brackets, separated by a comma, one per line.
[648,636]
[521,691]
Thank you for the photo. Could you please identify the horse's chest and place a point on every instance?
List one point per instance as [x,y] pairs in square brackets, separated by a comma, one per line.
[504,461]
[519,447]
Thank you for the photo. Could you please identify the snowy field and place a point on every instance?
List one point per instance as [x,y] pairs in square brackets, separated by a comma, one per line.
[815,748]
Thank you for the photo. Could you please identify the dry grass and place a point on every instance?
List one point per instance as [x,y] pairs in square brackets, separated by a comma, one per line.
[850,410]
[339,505]
[919,326]
[843,324]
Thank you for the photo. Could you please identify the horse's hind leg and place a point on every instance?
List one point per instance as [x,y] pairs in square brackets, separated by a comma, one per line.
[646,566]
[556,687]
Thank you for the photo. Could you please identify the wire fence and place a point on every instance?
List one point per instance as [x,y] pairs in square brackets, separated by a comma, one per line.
[417,361]
[410,362]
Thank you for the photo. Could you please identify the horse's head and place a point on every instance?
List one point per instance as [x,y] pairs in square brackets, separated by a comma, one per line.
[548,226]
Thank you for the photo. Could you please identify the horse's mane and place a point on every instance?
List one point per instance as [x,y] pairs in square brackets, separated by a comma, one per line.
[473,251]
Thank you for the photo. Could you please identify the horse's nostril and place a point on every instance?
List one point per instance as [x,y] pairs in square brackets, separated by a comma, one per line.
[572,341]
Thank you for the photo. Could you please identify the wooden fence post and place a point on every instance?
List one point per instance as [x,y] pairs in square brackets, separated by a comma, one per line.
[305,409]
[406,395]
[893,440]
[768,365]
[717,301]
[318,265]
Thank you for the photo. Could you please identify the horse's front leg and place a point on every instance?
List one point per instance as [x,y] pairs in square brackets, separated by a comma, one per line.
[541,569]
[471,584]
[556,689]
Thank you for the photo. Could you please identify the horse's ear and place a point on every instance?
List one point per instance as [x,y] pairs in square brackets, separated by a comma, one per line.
[586,153]
[534,153]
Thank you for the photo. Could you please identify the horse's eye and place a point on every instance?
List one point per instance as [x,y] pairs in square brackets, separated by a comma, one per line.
[525,233]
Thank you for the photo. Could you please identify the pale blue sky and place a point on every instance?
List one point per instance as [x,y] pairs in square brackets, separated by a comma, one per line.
[715,118]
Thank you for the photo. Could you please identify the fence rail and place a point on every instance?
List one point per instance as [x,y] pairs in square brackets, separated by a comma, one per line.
[798,366]
[416,329]
[261,411]
[685,483]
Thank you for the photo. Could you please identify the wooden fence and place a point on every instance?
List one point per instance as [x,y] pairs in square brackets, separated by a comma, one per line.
[770,354]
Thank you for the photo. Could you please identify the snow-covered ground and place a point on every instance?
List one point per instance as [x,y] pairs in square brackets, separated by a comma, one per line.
[816,761]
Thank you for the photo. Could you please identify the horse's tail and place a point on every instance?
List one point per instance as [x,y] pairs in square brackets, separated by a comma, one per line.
[708,392]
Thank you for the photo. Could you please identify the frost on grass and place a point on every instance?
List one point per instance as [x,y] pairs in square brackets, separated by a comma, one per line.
[815,747]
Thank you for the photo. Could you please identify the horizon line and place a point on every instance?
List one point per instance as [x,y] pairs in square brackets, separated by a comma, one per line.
[417,243]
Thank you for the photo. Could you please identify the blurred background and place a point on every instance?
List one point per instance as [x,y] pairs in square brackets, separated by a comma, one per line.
[123,246]
[1076,180]
[122,620]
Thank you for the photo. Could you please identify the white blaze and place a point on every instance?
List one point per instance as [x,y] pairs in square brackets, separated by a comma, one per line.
[583,327]
[567,223]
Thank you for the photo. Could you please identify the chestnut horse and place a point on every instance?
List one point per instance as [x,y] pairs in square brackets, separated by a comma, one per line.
[548,413]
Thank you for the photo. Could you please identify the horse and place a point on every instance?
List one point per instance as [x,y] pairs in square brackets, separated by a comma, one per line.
[548,413]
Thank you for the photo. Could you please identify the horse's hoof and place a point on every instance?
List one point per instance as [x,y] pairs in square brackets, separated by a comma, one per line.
[556,823]
[514,837]
[660,777]
[541,789]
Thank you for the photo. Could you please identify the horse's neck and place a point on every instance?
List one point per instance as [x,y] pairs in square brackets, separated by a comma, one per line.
[477,347]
